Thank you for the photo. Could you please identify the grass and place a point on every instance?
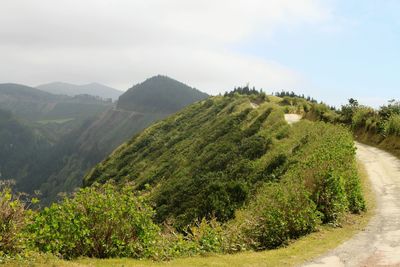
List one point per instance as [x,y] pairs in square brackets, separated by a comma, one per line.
[297,252]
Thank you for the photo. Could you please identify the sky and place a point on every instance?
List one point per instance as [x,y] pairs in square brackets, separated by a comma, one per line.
[329,49]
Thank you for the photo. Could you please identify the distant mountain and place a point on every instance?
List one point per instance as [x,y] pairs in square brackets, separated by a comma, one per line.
[18,92]
[36,105]
[159,94]
[94,89]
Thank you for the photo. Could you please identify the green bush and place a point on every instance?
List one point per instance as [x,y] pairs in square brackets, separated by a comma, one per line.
[392,125]
[208,235]
[317,182]
[280,212]
[361,115]
[98,221]
[203,237]
[330,196]
[13,218]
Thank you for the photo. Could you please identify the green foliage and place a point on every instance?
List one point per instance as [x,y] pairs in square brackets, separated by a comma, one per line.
[392,125]
[201,238]
[330,197]
[98,221]
[13,218]
[361,115]
[322,112]
[280,212]
[318,182]
[378,127]
[245,90]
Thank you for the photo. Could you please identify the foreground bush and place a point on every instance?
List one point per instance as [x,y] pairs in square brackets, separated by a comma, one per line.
[319,183]
[280,212]
[98,221]
[201,238]
[13,218]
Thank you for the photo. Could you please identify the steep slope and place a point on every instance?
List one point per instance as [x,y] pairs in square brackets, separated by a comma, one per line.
[20,147]
[212,157]
[94,89]
[84,147]
[159,94]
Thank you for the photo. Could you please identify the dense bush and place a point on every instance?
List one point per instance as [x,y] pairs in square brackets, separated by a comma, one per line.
[392,125]
[361,115]
[98,221]
[280,212]
[318,182]
[378,127]
[327,166]
[13,218]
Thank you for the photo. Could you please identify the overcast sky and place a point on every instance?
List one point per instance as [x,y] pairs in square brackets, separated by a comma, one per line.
[329,49]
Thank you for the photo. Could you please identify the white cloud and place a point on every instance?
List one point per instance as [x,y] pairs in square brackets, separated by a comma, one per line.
[120,42]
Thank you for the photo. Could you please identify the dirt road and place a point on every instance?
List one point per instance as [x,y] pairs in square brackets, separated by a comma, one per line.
[292,118]
[379,244]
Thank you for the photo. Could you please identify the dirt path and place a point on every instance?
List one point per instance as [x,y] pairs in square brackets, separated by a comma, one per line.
[292,118]
[379,243]
[254,105]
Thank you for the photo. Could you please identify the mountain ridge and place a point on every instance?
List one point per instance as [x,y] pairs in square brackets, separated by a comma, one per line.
[94,88]
[150,96]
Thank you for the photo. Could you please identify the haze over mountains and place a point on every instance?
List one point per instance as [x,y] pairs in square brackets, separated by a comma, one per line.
[68,135]
[95,89]
[36,105]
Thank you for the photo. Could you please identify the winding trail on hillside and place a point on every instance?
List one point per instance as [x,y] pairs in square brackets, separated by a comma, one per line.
[292,118]
[379,243]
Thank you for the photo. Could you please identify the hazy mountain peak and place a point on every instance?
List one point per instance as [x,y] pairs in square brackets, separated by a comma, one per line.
[95,89]
[159,94]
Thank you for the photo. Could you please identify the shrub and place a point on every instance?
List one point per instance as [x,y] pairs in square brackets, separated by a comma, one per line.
[98,221]
[13,218]
[361,115]
[280,212]
[203,237]
[330,196]
[207,235]
[392,125]
[317,183]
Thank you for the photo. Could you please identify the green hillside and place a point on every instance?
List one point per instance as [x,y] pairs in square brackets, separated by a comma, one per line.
[159,94]
[213,157]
